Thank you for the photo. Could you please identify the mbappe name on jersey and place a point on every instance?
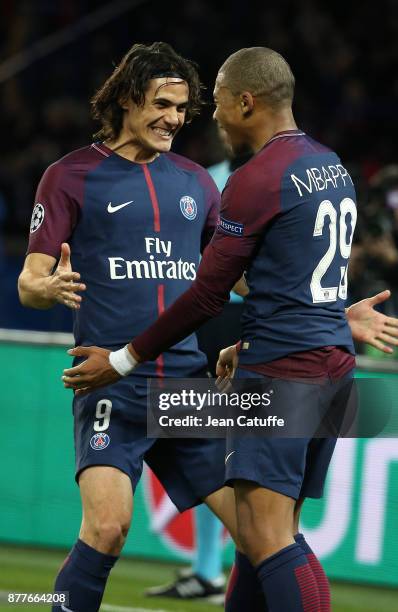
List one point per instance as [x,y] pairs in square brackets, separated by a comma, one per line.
[320,178]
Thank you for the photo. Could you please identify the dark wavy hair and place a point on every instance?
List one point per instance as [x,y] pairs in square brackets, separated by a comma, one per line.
[130,79]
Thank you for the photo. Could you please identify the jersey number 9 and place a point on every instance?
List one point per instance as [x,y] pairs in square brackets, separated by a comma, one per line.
[103,414]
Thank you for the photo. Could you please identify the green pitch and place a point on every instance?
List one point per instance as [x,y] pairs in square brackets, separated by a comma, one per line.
[33,570]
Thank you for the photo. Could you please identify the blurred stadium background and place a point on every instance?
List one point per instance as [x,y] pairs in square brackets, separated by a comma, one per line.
[53,57]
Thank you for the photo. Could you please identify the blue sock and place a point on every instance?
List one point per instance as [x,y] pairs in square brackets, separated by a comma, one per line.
[84,575]
[244,590]
[208,562]
[288,581]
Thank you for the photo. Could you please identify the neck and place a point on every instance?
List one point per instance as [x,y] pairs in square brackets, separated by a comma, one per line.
[268,124]
[126,148]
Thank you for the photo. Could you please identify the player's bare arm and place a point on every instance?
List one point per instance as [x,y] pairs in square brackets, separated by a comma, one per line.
[370,326]
[41,287]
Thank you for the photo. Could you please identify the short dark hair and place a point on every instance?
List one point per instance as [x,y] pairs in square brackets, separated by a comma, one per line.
[261,71]
[130,79]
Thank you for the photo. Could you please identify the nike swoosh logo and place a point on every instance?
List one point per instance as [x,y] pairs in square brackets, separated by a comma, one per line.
[112,209]
[228,456]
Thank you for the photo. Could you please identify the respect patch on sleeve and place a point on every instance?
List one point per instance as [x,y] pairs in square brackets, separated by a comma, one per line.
[233,228]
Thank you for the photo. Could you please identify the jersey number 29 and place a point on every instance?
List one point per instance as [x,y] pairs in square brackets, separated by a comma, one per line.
[326,209]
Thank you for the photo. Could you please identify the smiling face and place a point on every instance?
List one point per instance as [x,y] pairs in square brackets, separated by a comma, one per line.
[150,129]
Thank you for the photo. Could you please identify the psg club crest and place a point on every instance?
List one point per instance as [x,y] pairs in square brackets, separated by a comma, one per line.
[37,217]
[188,207]
[99,441]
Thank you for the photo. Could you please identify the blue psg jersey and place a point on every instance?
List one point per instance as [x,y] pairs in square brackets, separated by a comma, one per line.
[306,215]
[287,218]
[136,232]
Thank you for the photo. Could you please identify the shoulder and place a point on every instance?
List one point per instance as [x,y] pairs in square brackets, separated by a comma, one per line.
[66,176]
[78,163]
[186,165]
[253,175]
[267,168]
[285,150]
[179,161]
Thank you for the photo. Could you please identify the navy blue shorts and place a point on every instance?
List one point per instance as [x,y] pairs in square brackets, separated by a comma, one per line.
[111,429]
[295,467]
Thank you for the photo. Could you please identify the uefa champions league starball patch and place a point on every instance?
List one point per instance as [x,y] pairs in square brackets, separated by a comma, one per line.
[37,217]
[188,207]
[99,441]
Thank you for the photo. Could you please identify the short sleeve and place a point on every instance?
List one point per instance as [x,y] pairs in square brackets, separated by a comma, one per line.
[55,212]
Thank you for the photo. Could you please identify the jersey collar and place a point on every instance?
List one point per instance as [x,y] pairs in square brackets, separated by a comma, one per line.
[285,134]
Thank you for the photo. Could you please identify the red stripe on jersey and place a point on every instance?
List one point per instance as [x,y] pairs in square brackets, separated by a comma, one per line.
[154,199]
[161,308]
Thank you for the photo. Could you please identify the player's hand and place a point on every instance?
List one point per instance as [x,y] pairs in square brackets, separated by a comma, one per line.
[63,284]
[226,366]
[241,287]
[374,328]
[94,372]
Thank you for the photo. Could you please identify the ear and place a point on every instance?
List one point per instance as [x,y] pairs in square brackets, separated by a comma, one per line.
[246,103]
[123,103]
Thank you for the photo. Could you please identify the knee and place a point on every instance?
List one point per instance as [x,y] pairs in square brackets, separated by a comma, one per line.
[108,534]
[112,534]
[251,533]
[261,538]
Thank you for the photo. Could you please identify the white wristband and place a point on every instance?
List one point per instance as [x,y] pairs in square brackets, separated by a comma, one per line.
[122,361]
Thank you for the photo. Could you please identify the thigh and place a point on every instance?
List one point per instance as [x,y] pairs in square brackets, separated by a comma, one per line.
[264,507]
[265,520]
[107,501]
[107,495]
[222,504]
